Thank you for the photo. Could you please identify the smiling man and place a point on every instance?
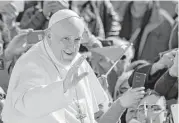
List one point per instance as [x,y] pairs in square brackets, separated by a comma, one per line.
[53,83]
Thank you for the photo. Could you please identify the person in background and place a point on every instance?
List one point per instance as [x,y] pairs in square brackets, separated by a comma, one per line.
[27,4]
[37,17]
[154,24]
[99,16]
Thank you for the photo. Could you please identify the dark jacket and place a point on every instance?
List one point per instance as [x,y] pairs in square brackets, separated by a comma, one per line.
[167,86]
[155,32]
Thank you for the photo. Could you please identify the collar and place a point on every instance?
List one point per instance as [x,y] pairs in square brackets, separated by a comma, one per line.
[51,56]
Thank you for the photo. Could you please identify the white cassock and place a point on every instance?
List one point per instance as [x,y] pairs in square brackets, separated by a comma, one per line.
[35,93]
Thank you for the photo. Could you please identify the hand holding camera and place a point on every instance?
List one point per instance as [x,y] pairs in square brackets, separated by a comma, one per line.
[166,61]
[132,97]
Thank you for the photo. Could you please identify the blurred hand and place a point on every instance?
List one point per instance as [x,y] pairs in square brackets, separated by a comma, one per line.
[17,46]
[132,97]
[10,13]
[166,61]
[72,77]
[173,71]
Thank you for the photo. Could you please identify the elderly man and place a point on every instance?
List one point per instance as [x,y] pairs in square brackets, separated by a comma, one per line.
[52,82]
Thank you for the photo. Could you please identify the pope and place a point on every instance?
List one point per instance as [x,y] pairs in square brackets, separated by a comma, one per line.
[53,83]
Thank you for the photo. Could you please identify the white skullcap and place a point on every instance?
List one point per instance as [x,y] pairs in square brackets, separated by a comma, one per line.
[61,15]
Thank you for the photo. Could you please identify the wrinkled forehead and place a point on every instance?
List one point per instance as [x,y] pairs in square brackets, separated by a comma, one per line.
[153,99]
[71,27]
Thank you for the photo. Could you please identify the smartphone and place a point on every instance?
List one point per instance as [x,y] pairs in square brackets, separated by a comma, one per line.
[138,80]
[34,37]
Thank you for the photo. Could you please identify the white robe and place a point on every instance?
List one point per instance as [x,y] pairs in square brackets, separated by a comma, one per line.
[35,93]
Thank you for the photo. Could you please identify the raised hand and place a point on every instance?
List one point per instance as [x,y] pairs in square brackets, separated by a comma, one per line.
[166,61]
[132,97]
[17,46]
[72,78]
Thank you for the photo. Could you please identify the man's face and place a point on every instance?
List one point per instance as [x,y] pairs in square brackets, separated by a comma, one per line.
[155,110]
[66,38]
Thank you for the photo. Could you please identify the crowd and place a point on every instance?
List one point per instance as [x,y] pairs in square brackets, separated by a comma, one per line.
[86,62]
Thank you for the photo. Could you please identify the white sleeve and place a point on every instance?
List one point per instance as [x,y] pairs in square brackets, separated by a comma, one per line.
[98,94]
[34,97]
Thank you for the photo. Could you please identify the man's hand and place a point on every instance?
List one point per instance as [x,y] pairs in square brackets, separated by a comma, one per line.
[132,97]
[17,46]
[173,71]
[166,61]
[72,77]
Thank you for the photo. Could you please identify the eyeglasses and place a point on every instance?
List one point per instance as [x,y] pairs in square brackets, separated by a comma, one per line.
[149,107]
